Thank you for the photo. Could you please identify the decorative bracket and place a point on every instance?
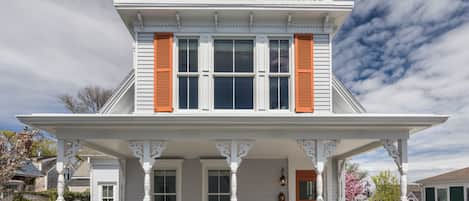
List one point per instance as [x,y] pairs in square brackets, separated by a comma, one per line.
[215,20]
[326,148]
[178,20]
[309,147]
[70,154]
[392,150]
[234,151]
[251,20]
[140,20]
[156,148]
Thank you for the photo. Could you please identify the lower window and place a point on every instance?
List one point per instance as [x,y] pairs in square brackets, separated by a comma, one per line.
[278,93]
[219,185]
[107,193]
[165,185]
[233,93]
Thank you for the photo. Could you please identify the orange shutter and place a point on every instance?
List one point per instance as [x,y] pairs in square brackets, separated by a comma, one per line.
[163,43]
[304,72]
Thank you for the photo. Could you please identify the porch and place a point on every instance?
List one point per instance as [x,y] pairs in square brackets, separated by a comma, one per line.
[246,151]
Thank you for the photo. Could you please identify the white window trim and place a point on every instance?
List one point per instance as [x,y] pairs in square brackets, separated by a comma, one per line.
[290,75]
[114,192]
[206,67]
[446,186]
[169,164]
[210,164]
[176,73]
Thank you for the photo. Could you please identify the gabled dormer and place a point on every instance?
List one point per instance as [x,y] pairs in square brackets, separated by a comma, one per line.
[230,56]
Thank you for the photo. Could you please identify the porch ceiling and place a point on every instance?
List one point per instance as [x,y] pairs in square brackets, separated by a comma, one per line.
[196,148]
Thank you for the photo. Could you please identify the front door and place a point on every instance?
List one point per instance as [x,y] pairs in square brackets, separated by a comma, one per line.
[305,185]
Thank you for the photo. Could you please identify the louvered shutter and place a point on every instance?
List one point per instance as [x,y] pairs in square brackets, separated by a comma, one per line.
[163,43]
[304,72]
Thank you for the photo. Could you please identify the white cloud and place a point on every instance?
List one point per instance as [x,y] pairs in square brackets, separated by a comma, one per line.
[53,47]
[421,47]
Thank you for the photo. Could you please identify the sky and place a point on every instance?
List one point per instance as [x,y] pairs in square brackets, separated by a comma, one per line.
[395,56]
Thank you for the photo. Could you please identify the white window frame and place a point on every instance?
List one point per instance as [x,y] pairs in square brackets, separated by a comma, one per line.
[289,75]
[169,164]
[178,74]
[233,74]
[206,68]
[211,164]
[100,191]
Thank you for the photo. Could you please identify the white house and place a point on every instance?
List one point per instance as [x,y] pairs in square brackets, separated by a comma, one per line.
[450,186]
[229,100]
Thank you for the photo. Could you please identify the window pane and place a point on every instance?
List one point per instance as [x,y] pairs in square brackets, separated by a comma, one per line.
[213,181]
[183,92]
[224,198]
[213,198]
[223,93]
[307,190]
[171,198]
[429,194]
[244,55]
[467,193]
[104,189]
[159,198]
[243,93]
[223,55]
[283,93]
[273,91]
[110,191]
[225,182]
[193,93]
[284,58]
[193,60]
[442,195]
[273,48]
[171,184]
[159,184]
[182,55]
[456,193]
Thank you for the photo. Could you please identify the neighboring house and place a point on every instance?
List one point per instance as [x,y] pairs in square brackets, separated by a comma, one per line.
[23,180]
[450,186]
[414,192]
[229,100]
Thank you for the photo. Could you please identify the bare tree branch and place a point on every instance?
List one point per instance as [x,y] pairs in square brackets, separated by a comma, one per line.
[88,99]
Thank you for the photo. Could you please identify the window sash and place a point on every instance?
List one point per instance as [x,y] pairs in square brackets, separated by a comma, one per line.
[107,193]
[278,72]
[164,174]
[220,55]
[219,175]
[188,70]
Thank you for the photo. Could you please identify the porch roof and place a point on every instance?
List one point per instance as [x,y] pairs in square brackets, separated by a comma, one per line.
[254,120]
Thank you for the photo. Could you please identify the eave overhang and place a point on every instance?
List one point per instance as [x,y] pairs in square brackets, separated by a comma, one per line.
[253,121]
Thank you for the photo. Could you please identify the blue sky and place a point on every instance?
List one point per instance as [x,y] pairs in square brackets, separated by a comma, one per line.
[396,56]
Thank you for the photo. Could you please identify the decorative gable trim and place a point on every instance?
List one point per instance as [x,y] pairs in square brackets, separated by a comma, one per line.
[347,95]
[120,91]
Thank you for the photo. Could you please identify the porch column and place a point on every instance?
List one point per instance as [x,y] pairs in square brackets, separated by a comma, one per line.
[66,157]
[234,151]
[147,151]
[318,151]
[341,178]
[399,154]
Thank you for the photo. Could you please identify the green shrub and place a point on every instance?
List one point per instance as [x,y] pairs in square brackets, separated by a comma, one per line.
[19,197]
[68,196]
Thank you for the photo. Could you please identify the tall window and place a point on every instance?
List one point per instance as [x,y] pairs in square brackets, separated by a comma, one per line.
[219,185]
[107,193]
[233,74]
[279,71]
[165,185]
[188,74]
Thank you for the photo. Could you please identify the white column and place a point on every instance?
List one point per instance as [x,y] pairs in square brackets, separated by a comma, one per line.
[341,178]
[60,169]
[66,158]
[402,146]
[234,151]
[399,154]
[318,151]
[147,151]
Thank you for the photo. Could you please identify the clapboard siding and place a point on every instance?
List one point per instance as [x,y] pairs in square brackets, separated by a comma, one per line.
[322,73]
[144,73]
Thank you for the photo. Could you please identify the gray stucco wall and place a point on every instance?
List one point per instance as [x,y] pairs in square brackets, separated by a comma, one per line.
[258,180]
[134,180]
